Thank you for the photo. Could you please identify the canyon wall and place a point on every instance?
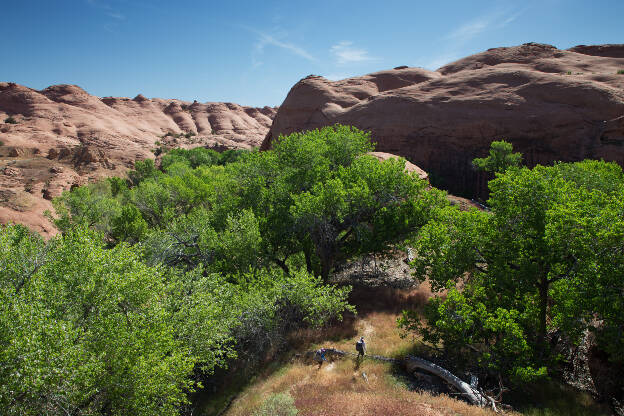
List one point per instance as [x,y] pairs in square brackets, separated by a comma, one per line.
[551,104]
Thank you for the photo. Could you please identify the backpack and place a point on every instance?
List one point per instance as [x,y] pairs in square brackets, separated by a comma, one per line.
[359,346]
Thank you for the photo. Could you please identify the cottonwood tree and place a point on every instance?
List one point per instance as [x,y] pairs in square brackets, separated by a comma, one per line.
[544,259]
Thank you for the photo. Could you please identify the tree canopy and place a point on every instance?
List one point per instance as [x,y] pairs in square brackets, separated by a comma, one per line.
[159,279]
[541,267]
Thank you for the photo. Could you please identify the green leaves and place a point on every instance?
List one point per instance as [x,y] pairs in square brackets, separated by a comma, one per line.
[364,207]
[225,239]
[90,330]
[87,318]
[547,257]
[500,159]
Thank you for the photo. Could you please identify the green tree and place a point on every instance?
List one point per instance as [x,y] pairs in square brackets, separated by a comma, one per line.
[117,185]
[143,169]
[91,205]
[500,159]
[84,330]
[365,207]
[129,226]
[539,262]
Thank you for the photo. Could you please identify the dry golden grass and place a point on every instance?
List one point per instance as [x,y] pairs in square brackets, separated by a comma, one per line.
[339,388]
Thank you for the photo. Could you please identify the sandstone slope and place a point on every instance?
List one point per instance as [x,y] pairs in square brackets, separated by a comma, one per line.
[64,136]
[551,104]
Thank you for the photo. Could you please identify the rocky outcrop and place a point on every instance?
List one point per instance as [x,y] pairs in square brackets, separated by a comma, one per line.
[551,104]
[63,136]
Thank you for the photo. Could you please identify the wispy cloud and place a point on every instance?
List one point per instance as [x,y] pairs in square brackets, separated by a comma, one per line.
[440,60]
[346,53]
[458,37]
[337,76]
[107,9]
[492,20]
[116,15]
[270,40]
[264,39]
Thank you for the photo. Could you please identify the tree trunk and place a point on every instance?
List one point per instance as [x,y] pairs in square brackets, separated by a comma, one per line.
[307,252]
[543,299]
[413,363]
[325,269]
[282,264]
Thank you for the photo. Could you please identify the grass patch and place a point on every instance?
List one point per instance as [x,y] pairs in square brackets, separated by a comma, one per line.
[344,386]
[340,388]
[280,404]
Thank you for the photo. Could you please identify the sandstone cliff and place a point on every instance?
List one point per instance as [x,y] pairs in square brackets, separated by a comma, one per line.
[551,104]
[63,136]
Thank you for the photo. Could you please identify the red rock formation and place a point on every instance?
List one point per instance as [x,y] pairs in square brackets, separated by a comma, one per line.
[65,136]
[551,104]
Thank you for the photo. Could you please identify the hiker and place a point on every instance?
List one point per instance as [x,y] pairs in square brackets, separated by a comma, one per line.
[360,346]
[319,356]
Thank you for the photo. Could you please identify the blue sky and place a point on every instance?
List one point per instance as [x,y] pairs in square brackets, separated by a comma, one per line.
[253,52]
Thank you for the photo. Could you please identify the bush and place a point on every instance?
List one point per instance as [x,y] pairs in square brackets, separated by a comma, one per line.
[620,71]
[281,404]
[10,120]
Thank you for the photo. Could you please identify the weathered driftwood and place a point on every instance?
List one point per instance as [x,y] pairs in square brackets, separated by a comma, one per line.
[474,396]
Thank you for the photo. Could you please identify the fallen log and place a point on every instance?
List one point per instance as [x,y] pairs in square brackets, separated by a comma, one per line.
[475,397]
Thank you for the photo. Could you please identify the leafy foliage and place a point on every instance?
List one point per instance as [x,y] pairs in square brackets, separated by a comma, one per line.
[90,330]
[184,267]
[500,159]
[544,260]
[75,320]
[316,194]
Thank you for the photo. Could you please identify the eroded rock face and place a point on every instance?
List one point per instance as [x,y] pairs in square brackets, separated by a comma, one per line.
[551,104]
[64,136]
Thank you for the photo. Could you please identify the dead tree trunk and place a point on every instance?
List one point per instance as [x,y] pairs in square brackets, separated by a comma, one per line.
[413,363]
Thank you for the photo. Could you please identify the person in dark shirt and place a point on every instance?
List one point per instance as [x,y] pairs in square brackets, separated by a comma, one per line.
[360,347]
[319,356]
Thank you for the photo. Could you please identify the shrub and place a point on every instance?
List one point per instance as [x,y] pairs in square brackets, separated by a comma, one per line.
[281,404]
[620,71]
[10,120]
